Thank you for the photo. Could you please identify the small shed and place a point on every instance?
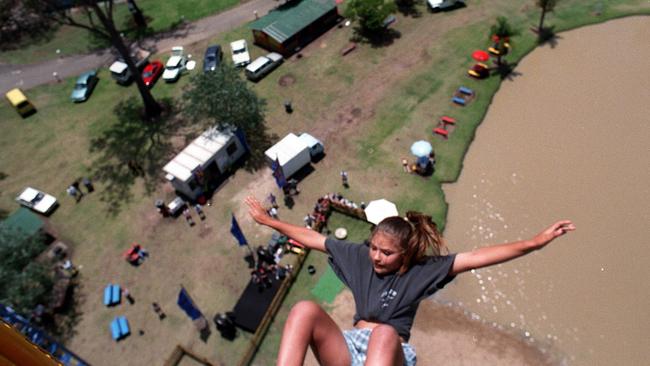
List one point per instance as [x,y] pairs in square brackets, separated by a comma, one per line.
[292,25]
[202,164]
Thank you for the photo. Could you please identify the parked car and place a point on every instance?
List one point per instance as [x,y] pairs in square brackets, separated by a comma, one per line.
[19,101]
[84,86]
[438,5]
[120,71]
[262,66]
[152,72]
[174,65]
[240,55]
[37,200]
[212,59]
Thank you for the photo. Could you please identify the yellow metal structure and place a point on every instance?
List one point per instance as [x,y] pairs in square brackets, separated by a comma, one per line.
[15,349]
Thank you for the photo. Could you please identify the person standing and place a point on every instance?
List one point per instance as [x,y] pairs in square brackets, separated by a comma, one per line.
[88,184]
[273,200]
[344,179]
[128,296]
[74,193]
[188,216]
[273,212]
[158,310]
[405,166]
[199,211]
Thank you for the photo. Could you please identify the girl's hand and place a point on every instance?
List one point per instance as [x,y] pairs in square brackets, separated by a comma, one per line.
[554,231]
[256,211]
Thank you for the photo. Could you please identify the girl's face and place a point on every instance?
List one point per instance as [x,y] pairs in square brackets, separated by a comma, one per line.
[385,253]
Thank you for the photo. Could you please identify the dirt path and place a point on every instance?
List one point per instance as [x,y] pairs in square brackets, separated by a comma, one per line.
[29,76]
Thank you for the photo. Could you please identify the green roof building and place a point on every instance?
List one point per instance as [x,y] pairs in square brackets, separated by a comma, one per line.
[292,25]
[25,221]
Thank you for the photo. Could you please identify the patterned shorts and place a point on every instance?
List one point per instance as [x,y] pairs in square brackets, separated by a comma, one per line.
[357,341]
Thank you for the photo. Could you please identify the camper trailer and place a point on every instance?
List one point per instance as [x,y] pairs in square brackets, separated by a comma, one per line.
[203,163]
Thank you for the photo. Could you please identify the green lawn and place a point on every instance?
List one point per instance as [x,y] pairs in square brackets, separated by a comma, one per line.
[161,16]
[51,148]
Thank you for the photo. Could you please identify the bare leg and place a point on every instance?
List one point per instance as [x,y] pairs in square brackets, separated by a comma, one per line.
[308,324]
[384,347]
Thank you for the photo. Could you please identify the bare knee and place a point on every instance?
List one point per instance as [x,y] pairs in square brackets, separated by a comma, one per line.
[384,346]
[305,308]
[385,333]
[305,311]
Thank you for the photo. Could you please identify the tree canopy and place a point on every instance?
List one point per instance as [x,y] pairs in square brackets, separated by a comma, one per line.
[25,281]
[19,22]
[222,98]
[370,14]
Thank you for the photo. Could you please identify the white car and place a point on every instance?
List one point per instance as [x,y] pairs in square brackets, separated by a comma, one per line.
[174,65]
[262,66]
[438,5]
[37,200]
[240,55]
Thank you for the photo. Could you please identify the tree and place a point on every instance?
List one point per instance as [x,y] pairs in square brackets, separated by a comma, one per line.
[371,14]
[25,281]
[221,98]
[546,6]
[500,33]
[97,18]
[17,22]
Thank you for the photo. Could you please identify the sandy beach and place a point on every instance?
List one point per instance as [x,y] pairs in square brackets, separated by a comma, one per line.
[565,137]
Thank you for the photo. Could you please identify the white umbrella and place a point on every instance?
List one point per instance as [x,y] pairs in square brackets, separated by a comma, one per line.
[421,148]
[378,210]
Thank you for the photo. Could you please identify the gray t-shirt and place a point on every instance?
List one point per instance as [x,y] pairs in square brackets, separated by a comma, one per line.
[389,299]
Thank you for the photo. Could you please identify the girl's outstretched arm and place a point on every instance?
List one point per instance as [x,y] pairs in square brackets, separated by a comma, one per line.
[309,238]
[490,255]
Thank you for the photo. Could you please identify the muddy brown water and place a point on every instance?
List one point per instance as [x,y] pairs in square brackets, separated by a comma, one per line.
[567,137]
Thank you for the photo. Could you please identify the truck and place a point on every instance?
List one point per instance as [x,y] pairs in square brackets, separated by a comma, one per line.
[294,153]
[120,71]
[205,162]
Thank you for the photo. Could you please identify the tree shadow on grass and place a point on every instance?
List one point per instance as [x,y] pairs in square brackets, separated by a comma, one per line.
[3,213]
[132,149]
[506,70]
[384,38]
[64,322]
[259,140]
[548,36]
[408,8]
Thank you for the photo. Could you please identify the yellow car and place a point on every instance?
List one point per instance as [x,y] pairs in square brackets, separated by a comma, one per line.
[19,101]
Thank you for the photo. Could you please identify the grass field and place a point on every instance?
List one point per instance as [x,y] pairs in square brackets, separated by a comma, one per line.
[368,107]
[161,16]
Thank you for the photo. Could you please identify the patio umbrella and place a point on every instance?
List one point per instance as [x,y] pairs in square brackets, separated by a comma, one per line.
[480,55]
[421,148]
[380,209]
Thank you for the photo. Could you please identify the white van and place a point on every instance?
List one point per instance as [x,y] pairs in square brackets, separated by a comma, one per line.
[262,66]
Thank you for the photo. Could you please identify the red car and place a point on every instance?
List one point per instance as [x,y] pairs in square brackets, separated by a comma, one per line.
[152,72]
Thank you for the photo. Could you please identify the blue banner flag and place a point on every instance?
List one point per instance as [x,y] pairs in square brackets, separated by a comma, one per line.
[280,180]
[236,232]
[185,302]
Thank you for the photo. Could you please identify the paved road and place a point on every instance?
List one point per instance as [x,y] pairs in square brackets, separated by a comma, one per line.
[28,76]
